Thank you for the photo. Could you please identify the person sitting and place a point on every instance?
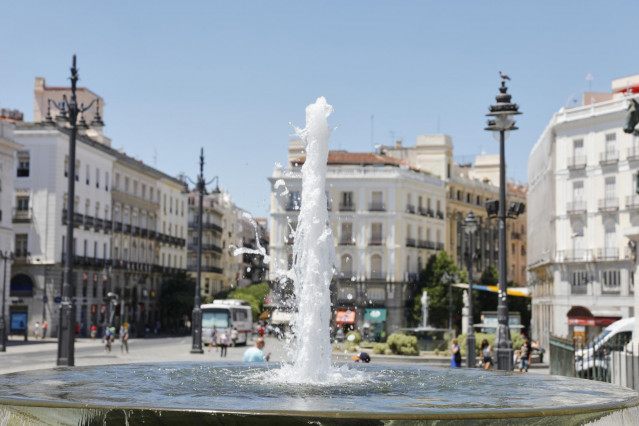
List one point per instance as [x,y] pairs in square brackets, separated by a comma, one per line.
[362,357]
[255,353]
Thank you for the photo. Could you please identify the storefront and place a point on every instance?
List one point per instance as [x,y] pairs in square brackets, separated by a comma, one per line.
[374,324]
[585,325]
[345,319]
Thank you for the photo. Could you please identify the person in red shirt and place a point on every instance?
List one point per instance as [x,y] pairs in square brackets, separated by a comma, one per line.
[261,331]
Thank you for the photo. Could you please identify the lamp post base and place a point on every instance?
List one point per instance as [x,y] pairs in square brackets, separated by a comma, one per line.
[66,335]
[470,350]
[196,331]
[504,348]
[3,336]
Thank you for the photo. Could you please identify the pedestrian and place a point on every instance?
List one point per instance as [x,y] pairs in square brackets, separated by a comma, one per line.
[36,331]
[362,357]
[124,339]
[94,331]
[234,336]
[44,329]
[255,353]
[526,354]
[261,330]
[224,343]
[457,359]
[213,339]
[107,339]
[486,353]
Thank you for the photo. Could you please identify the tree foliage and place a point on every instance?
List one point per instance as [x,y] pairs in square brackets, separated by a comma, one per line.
[177,297]
[438,293]
[254,294]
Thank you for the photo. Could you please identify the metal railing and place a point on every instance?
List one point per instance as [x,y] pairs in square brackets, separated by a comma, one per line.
[608,253]
[410,242]
[22,216]
[347,240]
[633,154]
[613,361]
[632,201]
[576,207]
[376,207]
[577,162]
[609,204]
[346,207]
[608,157]
[376,240]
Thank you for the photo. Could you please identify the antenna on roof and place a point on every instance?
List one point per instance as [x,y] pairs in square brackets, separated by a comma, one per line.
[372,130]
[589,78]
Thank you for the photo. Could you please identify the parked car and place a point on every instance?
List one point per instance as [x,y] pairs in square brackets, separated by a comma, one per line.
[597,354]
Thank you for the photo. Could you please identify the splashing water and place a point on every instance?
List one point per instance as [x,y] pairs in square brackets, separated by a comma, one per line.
[313,258]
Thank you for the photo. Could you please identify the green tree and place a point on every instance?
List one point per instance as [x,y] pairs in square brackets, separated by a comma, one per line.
[176,299]
[430,279]
[254,294]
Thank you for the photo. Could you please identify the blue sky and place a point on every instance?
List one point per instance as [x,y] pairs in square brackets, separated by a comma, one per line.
[230,76]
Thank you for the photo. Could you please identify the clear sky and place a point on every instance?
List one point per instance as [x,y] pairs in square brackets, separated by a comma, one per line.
[231,75]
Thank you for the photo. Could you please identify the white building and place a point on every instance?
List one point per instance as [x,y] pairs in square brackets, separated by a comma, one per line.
[7,171]
[381,243]
[581,198]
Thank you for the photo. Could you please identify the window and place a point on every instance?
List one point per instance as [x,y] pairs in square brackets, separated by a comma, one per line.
[376,294]
[578,191]
[97,178]
[106,181]
[294,201]
[376,267]
[126,184]
[376,233]
[346,201]
[23,164]
[77,171]
[22,248]
[611,278]
[117,181]
[135,187]
[143,191]
[611,143]
[150,194]
[610,188]
[579,278]
[22,204]
[88,176]
[578,148]
[66,166]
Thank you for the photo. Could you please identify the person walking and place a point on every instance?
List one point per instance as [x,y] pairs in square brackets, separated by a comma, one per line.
[107,339]
[213,339]
[234,336]
[486,354]
[124,339]
[36,331]
[456,361]
[224,343]
[94,331]
[44,329]
[526,354]
[255,353]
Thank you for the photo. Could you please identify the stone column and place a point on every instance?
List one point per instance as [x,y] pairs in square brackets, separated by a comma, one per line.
[633,234]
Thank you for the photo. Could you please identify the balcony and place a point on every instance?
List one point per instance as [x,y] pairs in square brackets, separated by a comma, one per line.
[377,276]
[99,224]
[608,253]
[439,246]
[88,222]
[376,240]
[422,244]
[346,207]
[515,236]
[573,255]
[410,242]
[607,158]
[135,230]
[206,247]
[292,207]
[207,226]
[117,227]
[205,268]
[347,240]
[410,208]
[426,212]
[376,206]
[108,225]
[126,229]
[632,202]
[152,234]
[576,207]
[144,233]
[577,162]
[439,214]
[609,204]
[22,216]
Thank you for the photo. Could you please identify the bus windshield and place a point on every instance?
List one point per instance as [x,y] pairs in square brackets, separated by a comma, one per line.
[215,317]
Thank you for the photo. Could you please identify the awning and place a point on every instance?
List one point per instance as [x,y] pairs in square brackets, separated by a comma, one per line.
[597,321]
[375,315]
[579,315]
[345,317]
[280,317]
[263,316]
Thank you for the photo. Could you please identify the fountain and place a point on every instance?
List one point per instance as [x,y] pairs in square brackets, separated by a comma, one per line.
[309,389]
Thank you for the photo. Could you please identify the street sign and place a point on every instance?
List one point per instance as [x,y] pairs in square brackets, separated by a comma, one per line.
[57,299]
[45,299]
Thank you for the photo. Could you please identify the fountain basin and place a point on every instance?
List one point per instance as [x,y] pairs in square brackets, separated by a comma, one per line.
[234,393]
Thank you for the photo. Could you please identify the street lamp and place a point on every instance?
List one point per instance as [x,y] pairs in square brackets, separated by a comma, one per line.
[502,124]
[450,279]
[3,325]
[470,226]
[196,316]
[69,111]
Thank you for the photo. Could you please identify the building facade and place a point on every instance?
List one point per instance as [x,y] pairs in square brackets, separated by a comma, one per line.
[383,231]
[582,175]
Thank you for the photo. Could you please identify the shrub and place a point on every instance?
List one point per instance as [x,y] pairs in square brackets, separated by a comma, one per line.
[380,348]
[403,344]
[479,337]
[356,339]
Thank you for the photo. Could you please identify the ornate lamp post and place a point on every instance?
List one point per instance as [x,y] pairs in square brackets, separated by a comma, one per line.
[69,112]
[3,325]
[502,124]
[470,226]
[196,316]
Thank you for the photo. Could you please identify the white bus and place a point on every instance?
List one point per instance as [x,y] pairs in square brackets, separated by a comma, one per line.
[226,315]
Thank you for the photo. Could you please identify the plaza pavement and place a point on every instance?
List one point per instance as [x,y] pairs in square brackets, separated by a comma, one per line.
[42,353]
